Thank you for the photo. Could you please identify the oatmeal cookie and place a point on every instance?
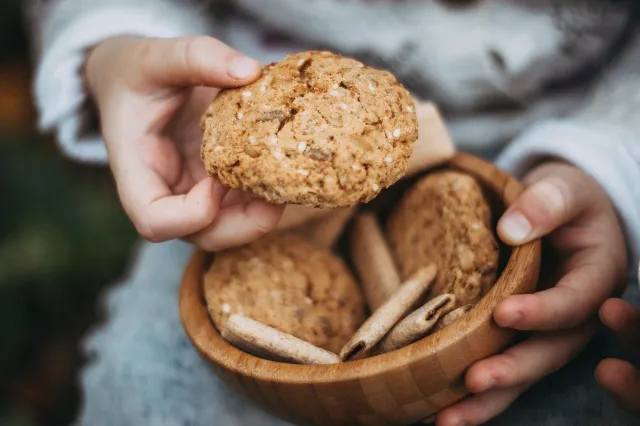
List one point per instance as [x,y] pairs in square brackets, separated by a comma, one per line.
[445,218]
[289,284]
[316,129]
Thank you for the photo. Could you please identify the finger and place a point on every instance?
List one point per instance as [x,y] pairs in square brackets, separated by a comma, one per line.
[235,197]
[478,409]
[195,61]
[238,224]
[544,206]
[529,361]
[574,298]
[624,320]
[160,216]
[622,380]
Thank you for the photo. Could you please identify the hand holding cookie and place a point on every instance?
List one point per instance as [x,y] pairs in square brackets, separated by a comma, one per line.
[575,214]
[150,95]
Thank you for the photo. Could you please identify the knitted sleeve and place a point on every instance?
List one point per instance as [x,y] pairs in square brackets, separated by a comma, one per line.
[602,138]
[63,30]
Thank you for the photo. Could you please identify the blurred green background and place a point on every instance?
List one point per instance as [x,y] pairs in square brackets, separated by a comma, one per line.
[63,238]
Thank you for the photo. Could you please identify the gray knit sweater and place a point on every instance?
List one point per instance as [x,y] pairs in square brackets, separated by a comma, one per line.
[525,79]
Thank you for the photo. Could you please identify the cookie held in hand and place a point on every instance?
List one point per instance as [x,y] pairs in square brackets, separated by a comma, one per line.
[317,129]
[286,283]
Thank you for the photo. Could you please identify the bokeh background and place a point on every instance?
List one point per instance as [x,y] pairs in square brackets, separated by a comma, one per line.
[63,238]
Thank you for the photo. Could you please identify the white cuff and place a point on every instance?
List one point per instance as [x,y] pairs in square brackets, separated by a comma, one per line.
[610,155]
[59,91]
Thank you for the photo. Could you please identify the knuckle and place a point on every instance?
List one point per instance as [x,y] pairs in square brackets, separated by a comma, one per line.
[195,47]
[190,51]
[265,226]
[552,196]
[507,370]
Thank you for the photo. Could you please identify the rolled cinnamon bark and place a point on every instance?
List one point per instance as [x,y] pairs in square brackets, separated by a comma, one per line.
[419,323]
[452,317]
[266,342]
[373,261]
[393,310]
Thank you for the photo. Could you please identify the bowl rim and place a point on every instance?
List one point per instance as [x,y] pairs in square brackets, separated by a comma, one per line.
[208,341]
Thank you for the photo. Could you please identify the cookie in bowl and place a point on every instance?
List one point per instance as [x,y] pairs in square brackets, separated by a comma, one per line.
[289,284]
[446,219]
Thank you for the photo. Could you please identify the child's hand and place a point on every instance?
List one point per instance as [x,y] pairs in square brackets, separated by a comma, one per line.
[566,205]
[151,94]
[617,376]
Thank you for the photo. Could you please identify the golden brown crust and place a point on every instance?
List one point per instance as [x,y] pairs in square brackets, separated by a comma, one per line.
[445,219]
[288,284]
[316,129]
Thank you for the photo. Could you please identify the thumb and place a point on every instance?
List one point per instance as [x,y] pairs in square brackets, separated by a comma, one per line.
[558,195]
[195,61]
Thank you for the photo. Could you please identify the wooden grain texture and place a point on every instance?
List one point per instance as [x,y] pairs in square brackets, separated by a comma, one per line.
[399,387]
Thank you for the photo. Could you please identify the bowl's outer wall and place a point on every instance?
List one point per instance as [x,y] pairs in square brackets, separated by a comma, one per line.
[400,387]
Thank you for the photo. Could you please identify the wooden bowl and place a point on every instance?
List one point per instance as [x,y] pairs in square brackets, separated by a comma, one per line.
[399,387]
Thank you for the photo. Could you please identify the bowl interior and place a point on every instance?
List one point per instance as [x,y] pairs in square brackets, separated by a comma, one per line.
[473,337]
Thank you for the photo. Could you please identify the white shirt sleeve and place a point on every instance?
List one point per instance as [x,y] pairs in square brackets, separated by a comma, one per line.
[603,139]
[67,28]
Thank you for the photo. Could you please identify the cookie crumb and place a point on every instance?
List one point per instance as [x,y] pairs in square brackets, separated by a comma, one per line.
[388,159]
[375,187]
[396,133]
[226,308]
[247,94]
[302,146]
[240,115]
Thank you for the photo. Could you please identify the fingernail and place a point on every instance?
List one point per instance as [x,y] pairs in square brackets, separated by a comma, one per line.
[242,67]
[515,227]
